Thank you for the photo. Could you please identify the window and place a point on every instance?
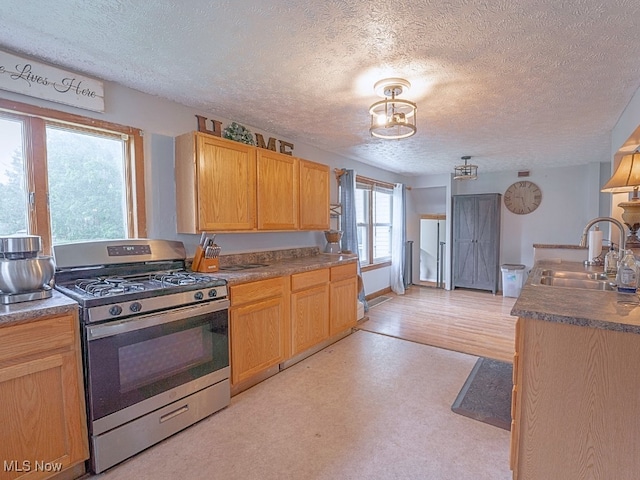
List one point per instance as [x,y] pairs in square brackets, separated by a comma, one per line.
[68,178]
[374,201]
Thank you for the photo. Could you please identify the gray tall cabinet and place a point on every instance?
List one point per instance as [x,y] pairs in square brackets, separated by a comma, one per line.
[476,241]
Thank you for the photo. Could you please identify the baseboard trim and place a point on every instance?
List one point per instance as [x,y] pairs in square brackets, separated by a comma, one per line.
[378,293]
[315,349]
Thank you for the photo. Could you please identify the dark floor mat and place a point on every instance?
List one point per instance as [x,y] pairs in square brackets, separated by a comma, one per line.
[486,394]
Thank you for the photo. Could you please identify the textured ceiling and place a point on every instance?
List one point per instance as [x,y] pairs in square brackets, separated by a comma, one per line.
[516,84]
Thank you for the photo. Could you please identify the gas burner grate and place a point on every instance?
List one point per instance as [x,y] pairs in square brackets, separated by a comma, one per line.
[104,287]
[179,278]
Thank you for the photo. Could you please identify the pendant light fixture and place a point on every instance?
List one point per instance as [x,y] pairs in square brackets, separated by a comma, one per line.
[392,118]
[466,171]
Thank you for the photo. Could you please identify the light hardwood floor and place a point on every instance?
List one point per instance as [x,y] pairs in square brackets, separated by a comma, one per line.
[468,321]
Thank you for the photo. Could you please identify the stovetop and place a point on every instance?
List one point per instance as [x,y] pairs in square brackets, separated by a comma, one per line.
[122,278]
[103,290]
[109,298]
[114,286]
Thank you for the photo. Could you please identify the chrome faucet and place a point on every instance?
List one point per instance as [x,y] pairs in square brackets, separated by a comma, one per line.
[583,240]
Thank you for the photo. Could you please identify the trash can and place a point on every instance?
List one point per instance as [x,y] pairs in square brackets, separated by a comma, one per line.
[512,278]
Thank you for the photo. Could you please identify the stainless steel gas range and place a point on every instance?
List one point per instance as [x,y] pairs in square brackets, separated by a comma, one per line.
[155,341]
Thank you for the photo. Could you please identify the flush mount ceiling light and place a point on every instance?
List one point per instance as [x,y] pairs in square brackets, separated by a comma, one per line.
[466,171]
[392,118]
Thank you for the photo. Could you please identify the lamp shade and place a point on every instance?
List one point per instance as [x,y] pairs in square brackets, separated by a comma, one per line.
[626,177]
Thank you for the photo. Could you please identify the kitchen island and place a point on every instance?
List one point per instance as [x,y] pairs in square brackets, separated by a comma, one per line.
[576,407]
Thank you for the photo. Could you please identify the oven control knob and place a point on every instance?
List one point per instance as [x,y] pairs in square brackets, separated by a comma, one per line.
[198,295]
[212,293]
[135,307]
[115,310]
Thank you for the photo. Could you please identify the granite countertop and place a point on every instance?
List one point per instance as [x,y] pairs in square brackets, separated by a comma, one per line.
[550,245]
[607,310]
[285,266]
[34,310]
[275,266]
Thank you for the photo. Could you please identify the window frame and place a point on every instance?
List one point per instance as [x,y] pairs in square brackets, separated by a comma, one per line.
[34,121]
[372,184]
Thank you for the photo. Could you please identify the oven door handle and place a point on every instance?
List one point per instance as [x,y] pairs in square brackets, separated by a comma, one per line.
[95,332]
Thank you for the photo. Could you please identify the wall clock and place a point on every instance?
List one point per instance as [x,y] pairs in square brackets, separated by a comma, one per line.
[523,197]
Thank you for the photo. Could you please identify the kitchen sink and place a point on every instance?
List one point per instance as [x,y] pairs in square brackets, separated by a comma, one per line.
[581,283]
[242,266]
[573,275]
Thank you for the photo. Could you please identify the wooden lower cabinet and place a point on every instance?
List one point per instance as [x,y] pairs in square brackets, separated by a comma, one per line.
[277,322]
[44,429]
[259,319]
[344,296]
[576,408]
[309,309]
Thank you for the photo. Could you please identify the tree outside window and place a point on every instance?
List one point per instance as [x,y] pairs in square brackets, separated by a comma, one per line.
[68,178]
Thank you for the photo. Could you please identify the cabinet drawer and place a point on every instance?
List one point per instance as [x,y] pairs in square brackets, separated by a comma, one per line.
[37,336]
[300,281]
[254,291]
[344,271]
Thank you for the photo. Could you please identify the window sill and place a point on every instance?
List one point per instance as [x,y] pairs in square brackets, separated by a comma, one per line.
[375,266]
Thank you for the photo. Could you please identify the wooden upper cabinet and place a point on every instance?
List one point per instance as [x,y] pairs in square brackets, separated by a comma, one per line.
[277,179]
[314,196]
[215,184]
[223,185]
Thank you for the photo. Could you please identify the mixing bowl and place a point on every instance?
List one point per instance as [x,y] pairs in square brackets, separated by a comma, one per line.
[25,275]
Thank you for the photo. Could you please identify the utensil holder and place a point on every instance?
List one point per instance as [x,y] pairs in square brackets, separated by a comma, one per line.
[202,264]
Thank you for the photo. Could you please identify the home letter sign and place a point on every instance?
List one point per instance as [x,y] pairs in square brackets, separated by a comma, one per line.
[260,142]
[272,144]
[202,126]
[49,83]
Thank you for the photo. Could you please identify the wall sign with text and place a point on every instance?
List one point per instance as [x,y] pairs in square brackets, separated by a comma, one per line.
[43,81]
[285,147]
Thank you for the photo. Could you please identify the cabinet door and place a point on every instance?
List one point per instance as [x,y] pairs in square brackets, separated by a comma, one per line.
[314,196]
[43,412]
[278,178]
[464,245]
[476,241]
[309,318]
[226,185]
[487,242]
[343,295]
[257,337]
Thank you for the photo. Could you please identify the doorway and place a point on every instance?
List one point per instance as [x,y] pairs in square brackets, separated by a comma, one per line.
[432,250]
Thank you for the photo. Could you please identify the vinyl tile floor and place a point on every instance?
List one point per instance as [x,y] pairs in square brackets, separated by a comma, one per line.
[367,407]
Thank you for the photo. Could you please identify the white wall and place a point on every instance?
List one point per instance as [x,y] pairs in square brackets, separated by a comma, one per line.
[570,198]
[570,195]
[161,120]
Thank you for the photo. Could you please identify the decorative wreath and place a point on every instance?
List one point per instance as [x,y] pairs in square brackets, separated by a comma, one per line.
[238,133]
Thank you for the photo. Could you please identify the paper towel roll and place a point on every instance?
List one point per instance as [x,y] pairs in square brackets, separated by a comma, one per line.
[595,243]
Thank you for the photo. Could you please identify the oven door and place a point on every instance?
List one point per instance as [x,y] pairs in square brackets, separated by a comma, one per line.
[136,365]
